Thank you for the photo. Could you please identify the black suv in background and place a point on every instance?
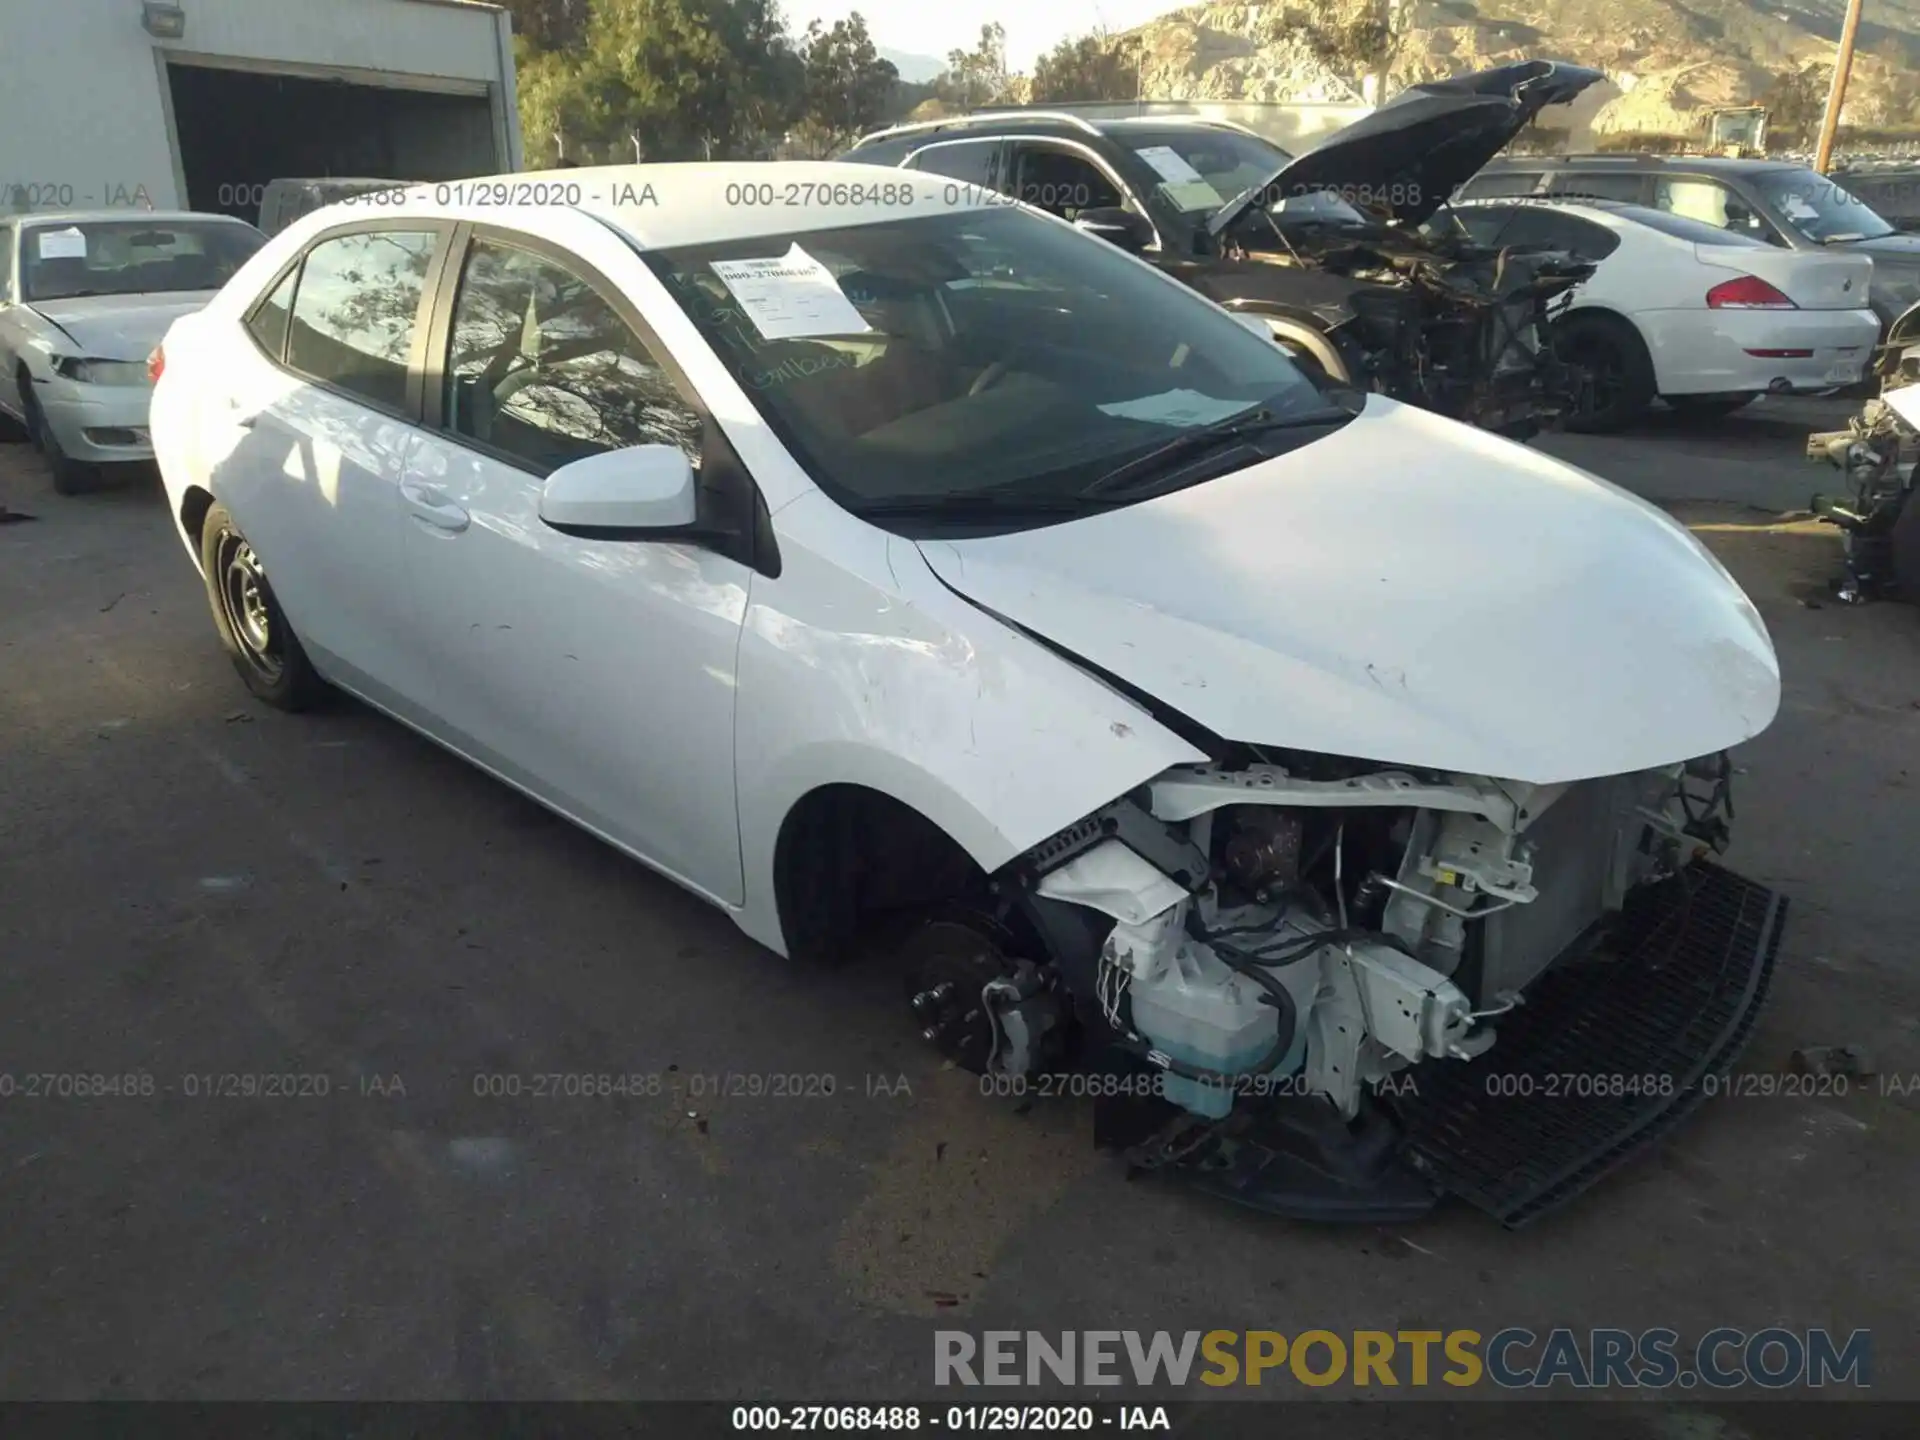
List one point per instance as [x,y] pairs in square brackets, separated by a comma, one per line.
[1781,203]
[1326,247]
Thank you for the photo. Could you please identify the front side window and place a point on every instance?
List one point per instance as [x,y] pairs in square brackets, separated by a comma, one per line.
[1710,203]
[1199,168]
[64,260]
[969,161]
[356,310]
[1819,209]
[542,368]
[1063,182]
[976,353]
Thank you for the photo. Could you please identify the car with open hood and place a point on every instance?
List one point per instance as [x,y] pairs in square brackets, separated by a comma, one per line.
[84,298]
[1330,786]
[1326,247]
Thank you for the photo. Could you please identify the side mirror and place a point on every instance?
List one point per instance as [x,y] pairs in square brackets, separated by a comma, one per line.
[647,487]
[1120,227]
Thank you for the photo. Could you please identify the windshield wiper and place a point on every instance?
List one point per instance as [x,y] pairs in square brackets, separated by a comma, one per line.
[1208,437]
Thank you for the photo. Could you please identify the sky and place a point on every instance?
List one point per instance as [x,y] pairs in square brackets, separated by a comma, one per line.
[933,27]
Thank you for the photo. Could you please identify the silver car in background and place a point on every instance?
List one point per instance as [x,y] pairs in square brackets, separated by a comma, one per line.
[84,299]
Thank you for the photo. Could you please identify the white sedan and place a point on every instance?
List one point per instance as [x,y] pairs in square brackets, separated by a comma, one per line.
[84,298]
[851,547]
[1706,319]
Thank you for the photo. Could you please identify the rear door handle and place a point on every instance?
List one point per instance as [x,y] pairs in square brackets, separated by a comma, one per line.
[430,504]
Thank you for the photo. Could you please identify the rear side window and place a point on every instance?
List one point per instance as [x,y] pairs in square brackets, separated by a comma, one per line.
[1599,185]
[356,310]
[1499,184]
[268,323]
[1695,232]
[6,263]
[970,161]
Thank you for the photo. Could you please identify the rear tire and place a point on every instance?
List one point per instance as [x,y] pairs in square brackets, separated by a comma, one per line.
[253,628]
[70,477]
[1619,383]
[1709,406]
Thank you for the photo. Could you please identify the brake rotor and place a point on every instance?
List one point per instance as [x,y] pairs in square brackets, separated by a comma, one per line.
[948,965]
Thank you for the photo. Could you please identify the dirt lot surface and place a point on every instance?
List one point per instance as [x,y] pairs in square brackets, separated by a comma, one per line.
[193,886]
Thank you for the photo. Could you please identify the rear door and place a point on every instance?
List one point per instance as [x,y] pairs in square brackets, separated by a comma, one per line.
[307,432]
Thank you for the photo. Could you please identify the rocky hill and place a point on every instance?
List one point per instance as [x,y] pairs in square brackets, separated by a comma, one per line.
[1667,59]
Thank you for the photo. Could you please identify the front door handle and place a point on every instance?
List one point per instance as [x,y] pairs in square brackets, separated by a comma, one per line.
[430,504]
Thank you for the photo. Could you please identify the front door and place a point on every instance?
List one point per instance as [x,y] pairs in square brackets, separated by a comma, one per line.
[596,673]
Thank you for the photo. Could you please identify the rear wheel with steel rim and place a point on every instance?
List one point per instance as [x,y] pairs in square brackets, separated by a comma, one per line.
[265,652]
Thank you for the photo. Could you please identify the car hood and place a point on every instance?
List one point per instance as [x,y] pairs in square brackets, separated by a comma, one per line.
[120,327]
[1409,591]
[1410,155]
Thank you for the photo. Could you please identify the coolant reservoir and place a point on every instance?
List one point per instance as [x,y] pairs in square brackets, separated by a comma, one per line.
[1202,1012]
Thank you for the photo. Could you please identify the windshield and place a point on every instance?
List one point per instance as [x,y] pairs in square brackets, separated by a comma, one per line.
[1200,168]
[1819,209]
[978,353]
[64,259]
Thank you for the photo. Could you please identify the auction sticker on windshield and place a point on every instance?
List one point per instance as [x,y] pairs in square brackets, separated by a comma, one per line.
[63,245]
[1175,407]
[1184,185]
[790,298]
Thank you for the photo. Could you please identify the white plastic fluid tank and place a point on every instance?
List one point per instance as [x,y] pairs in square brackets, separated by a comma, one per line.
[1202,1012]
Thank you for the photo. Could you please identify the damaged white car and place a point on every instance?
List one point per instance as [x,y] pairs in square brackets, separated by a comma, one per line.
[1333,786]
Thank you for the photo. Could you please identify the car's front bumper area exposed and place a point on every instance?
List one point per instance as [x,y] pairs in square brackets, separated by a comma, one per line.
[1603,1059]
[98,424]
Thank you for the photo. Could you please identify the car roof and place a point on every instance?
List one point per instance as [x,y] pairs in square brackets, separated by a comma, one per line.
[95,217]
[989,122]
[1711,164]
[660,206]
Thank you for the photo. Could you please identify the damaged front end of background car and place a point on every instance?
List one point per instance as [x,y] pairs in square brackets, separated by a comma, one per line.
[1877,452]
[1337,991]
[1437,320]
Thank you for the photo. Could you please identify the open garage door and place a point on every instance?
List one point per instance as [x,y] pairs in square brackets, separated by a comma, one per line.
[239,129]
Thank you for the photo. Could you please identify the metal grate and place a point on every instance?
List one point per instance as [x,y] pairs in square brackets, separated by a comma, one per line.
[1672,996]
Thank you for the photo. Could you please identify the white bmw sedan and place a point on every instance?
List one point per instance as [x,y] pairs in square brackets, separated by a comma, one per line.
[858,547]
[84,297]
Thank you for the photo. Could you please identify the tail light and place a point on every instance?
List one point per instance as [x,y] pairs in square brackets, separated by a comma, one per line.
[1748,292]
[157,364]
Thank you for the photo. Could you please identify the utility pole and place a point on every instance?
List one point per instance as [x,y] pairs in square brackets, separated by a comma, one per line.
[1837,92]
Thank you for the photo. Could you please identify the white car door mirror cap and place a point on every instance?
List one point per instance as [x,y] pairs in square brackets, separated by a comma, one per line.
[647,487]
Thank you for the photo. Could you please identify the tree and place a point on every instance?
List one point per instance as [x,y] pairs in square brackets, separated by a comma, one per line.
[1796,102]
[979,76]
[1090,68]
[548,24]
[848,88]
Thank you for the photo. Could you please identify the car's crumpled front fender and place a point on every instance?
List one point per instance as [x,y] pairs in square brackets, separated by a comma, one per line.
[864,669]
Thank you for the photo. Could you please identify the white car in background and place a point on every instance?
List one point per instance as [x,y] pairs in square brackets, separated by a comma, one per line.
[902,553]
[1705,319]
[84,298]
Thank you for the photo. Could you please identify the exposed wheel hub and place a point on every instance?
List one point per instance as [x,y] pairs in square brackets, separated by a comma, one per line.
[980,1007]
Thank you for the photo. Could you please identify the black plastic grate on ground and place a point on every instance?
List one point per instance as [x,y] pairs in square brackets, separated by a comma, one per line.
[1670,998]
